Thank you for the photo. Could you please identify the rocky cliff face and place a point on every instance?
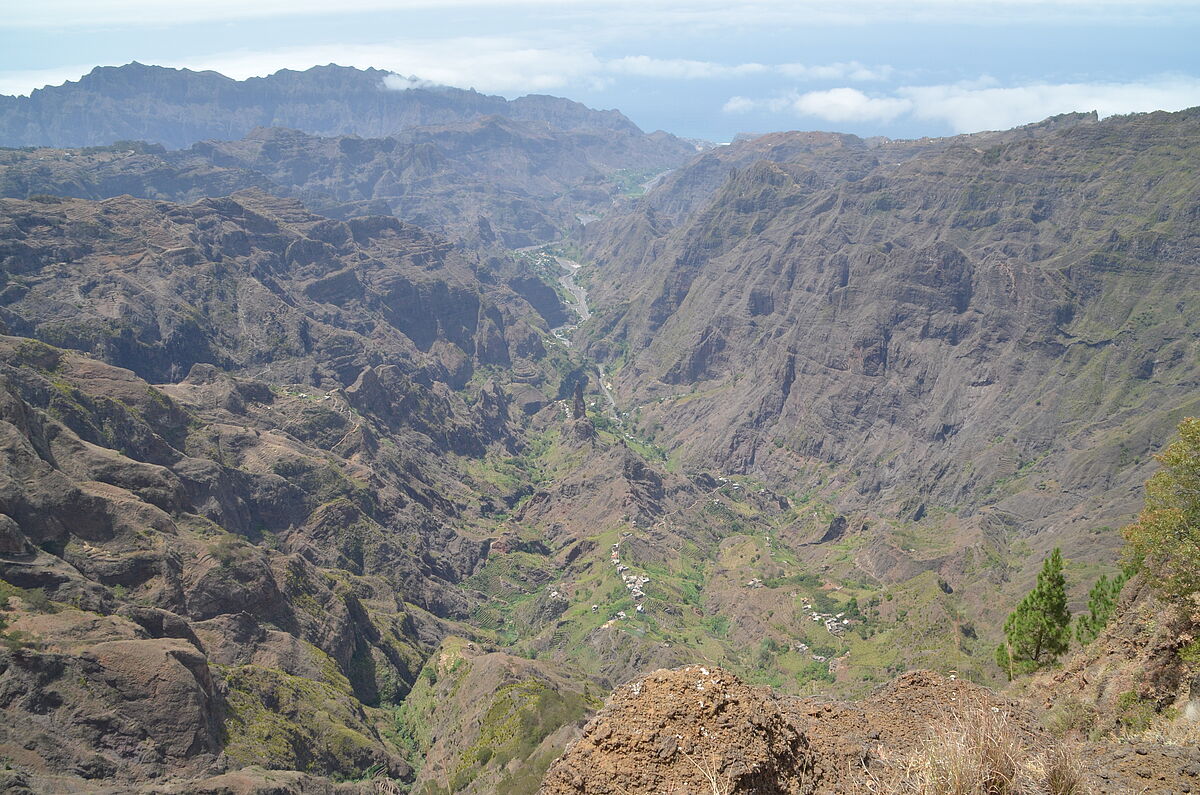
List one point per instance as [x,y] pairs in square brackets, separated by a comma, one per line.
[253,283]
[177,107]
[700,729]
[241,565]
[166,614]
[976,339]
[688,730]
[494,182]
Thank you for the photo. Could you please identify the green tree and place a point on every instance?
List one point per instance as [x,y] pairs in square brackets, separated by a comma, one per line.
[1039,630]
[1102,601]
[1165,539]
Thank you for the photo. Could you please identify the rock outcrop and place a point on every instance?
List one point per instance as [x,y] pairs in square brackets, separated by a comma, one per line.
[688,730]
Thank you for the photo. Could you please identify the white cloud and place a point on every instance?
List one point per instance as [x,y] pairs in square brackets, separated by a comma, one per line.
[679,68]
[25,80]
[849,104]
[494,64]
[971,109]
[397,82]
[834,104]
[741,105]
[981,104]
[502,64]
[110,13]
[852,70]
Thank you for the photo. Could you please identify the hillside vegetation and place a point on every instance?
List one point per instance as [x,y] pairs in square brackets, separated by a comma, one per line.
[297,494]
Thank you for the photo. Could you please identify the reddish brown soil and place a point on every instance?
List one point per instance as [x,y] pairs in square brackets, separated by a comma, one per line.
[668,732]
[687,731]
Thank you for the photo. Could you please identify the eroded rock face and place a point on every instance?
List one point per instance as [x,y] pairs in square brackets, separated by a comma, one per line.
[920,323]
[166,686]
[126,707]
[177,107]
[276,283]
[481,169]
[245,587]
[683,731]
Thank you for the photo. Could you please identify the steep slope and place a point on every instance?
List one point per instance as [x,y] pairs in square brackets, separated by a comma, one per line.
[253,282]
[489,182]
[174,588]
[177,107]
[1140,678]
[976,345]
[334,491]
[301,454]
[835,157]
[249,563]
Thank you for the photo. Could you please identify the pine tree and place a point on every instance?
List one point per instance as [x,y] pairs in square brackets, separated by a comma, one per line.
[1102,601]
[1039,630]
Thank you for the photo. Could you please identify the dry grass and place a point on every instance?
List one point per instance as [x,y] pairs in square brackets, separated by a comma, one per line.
[711,770]
[977,752]
[1167,731]
[974,753]
[1063,772]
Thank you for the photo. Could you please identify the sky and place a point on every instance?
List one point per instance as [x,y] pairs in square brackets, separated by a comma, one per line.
[707,69]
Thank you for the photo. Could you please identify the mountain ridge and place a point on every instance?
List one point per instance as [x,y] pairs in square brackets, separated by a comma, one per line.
[370,507]
[177,107]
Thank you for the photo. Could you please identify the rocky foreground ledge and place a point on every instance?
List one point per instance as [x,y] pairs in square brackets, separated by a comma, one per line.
[700,729]
[686,731]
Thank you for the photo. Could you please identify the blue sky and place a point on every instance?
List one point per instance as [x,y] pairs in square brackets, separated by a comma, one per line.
[699,68]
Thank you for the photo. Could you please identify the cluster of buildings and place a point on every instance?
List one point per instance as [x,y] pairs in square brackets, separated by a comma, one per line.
[633,582]
[836,624]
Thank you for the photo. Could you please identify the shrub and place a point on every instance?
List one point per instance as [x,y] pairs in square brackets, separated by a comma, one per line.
[1064,773]
[1134,714]
[1102,602]
[1165,539]
[1070,715]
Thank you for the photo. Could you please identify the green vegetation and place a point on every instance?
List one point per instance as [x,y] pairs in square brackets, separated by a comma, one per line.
[521,715]
[1134,713]
[1038,632]
[286,722]
[1191,653]
[631,182]
[1165,539]
[1102,601]
[500,741]
[35,600]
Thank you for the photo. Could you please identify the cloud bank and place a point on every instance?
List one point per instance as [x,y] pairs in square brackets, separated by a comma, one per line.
[488,63]
[980,105]
[60,14]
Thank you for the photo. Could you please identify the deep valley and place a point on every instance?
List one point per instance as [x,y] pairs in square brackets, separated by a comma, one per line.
[371,449]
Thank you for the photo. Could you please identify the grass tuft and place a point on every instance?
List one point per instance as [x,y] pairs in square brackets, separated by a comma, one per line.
[977,752]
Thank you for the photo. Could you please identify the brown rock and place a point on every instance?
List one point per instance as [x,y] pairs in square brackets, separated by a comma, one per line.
[664,733]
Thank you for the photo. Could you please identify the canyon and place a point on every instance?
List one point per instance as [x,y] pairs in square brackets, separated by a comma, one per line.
[380,439]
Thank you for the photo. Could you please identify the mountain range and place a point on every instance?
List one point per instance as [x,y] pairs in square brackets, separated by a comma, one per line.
[357,438]
[177,107]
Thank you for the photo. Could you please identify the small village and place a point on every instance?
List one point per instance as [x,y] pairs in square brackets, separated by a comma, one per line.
[633,582]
